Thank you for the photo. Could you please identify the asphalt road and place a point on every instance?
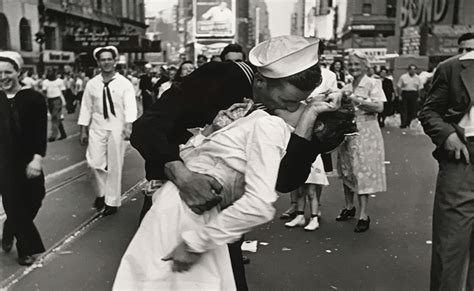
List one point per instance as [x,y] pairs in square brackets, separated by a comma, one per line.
[393,255]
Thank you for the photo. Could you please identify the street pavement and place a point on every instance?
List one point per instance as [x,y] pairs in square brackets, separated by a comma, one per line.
[394,254]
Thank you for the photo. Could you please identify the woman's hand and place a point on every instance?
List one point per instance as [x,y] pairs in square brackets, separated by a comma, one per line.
[33,169]
[182,258]
[317,106]
[226,117]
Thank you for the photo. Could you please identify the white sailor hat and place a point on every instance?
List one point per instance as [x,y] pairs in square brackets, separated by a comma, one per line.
[12,57]
[102,49]
[284,56]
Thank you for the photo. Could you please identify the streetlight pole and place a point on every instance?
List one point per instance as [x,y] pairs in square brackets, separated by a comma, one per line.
[40,36]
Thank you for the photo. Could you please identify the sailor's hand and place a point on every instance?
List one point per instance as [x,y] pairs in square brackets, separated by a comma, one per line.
[33,169]
[200,192]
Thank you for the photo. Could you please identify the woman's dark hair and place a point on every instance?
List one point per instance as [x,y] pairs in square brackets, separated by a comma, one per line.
[306,80]
[332,67]
[51,75]
[178,77]
[233,48]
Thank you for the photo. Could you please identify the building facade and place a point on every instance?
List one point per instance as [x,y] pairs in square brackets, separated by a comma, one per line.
[19,24]
[55,33]
[433,28]
[369,25]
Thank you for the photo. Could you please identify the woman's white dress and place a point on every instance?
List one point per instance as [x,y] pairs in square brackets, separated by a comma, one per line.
[244,158]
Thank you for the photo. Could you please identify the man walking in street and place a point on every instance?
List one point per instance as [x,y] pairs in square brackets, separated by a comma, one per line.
[108,109]
[409,86]
[448,118]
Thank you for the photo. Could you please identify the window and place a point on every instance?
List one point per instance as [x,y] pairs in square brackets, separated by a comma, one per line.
[5,35]
[99,5]
[366,8]
[391,8]
[50,38]
[25,35]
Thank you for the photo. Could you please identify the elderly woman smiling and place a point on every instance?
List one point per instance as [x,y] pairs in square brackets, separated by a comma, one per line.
[361,157]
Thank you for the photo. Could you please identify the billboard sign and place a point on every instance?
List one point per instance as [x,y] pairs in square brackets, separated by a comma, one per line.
[215,18]
[310,18]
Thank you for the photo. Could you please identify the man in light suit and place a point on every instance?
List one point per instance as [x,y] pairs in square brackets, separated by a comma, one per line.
[448,118]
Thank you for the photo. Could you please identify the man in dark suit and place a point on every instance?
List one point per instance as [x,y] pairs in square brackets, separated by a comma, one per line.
[23,129]
[448,118]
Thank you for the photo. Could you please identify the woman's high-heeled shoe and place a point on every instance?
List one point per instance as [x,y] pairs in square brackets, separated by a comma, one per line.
[362,225]
[346,214]
[289,213]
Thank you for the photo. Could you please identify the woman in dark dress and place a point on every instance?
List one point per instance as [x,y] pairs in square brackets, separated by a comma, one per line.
[23,130]
[387,86]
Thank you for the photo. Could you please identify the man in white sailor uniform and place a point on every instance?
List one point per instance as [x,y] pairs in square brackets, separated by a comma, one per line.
[108,109]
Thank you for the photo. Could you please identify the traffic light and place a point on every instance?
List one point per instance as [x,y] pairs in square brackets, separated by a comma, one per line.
[40,37]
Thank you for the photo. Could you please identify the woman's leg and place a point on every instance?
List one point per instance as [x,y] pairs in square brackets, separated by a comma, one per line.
[314,195]
[314,192]
[349,210]
[349,197]
[363,201]
[299,220]
[290,212]
[364,220]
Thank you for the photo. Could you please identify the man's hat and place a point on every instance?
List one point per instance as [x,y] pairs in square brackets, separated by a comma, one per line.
[284,56]
[109,48]
[12,57]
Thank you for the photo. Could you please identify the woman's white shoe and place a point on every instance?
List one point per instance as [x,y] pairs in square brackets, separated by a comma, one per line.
[313,224]
[297,221]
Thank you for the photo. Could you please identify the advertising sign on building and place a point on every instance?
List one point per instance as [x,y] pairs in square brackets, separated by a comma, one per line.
[58,57]
[215,18]
[411,40]
[87,42]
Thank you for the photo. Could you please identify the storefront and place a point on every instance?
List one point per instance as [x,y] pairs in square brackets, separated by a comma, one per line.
[59,61]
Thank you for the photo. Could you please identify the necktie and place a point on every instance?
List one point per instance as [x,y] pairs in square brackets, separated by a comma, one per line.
[107,96]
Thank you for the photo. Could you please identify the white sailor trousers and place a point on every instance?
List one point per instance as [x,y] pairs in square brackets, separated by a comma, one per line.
[105,155]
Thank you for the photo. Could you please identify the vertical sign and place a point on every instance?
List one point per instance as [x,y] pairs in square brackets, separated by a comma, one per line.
[310,18]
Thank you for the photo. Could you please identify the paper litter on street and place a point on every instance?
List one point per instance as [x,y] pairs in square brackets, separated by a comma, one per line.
[249,246]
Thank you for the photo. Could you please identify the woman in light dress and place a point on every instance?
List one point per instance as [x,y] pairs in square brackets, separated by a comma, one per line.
[244,158]
[361,157]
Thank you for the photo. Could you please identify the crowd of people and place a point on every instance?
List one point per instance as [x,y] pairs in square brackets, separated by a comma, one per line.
[222,139]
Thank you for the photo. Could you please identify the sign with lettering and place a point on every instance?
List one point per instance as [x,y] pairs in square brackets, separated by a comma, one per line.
[58,57]
[215,18]
[416,12]
[411,40]
[89,42]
